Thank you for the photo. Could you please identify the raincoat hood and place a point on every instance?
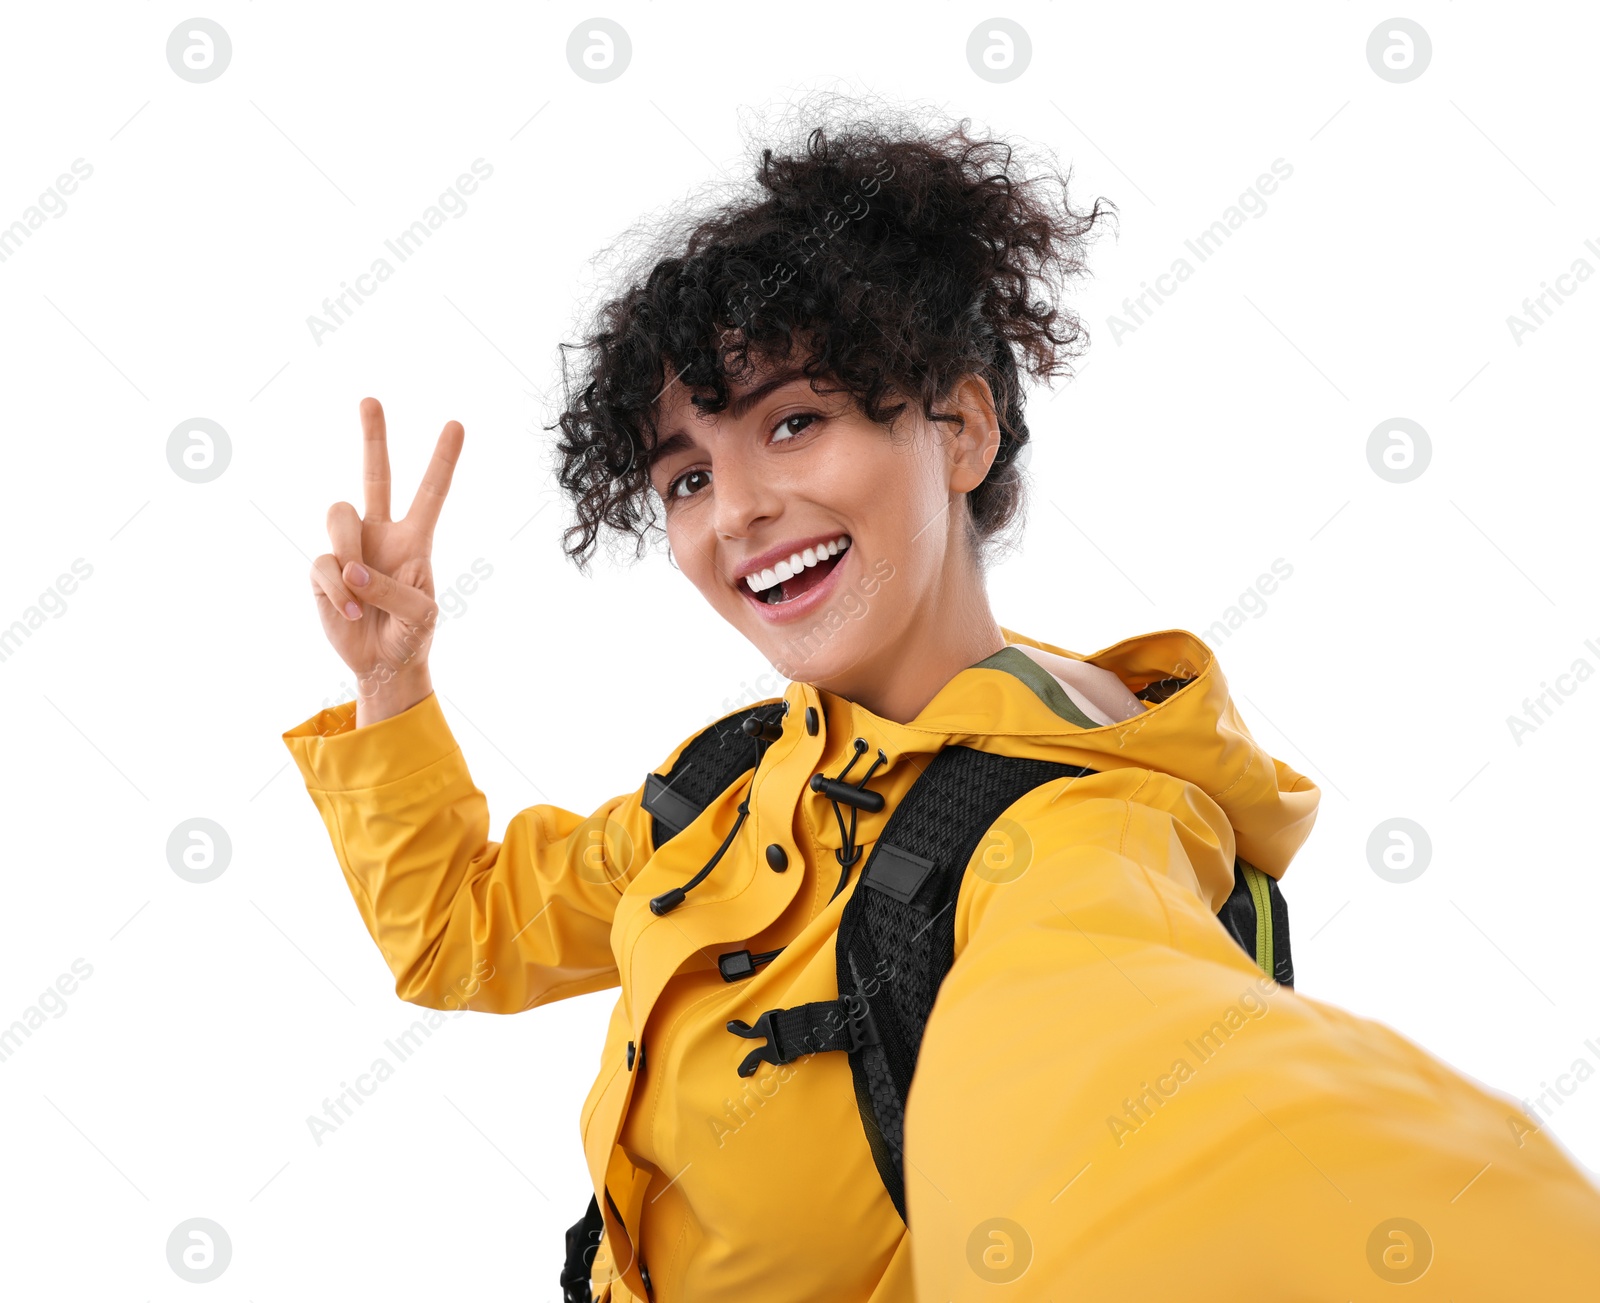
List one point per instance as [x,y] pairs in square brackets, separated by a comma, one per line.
[1010,701]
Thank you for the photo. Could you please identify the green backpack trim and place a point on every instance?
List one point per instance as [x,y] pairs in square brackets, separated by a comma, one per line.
[1013,660]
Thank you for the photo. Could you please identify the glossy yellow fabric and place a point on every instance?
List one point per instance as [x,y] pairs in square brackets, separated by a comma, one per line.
[1112,1102]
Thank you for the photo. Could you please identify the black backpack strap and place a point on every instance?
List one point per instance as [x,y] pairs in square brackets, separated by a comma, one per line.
[583,1239]
[705,768]
[1257,916]
[897,931]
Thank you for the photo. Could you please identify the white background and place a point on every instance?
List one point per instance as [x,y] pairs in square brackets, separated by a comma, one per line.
[1227,431]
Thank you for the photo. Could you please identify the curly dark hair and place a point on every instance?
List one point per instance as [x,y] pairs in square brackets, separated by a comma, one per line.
[899,260]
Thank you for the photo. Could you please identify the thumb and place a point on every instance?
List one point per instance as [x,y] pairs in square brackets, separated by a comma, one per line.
[389,594]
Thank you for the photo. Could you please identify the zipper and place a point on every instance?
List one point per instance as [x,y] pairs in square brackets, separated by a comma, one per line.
[1261,894]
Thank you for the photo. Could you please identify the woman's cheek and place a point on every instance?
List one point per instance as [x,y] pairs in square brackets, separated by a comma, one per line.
[882,572]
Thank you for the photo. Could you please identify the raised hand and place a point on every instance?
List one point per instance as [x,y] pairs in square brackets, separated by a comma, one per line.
[383,628]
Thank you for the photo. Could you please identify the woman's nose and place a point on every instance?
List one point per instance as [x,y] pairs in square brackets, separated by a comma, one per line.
[742,492]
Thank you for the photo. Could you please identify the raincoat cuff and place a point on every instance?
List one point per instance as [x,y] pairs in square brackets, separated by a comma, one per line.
[334,755]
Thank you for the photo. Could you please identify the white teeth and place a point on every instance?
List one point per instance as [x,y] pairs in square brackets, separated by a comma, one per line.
[759,583]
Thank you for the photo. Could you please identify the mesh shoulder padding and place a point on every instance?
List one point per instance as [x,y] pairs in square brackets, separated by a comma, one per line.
[717,755]
[895,953]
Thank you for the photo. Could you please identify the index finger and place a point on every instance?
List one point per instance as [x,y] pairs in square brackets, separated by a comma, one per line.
[424,512]
[374,460]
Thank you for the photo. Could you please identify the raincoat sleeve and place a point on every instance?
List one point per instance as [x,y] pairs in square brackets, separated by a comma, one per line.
[463,921]
[1112,1102]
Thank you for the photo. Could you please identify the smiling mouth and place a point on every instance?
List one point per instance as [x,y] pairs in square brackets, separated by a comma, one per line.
[795,577]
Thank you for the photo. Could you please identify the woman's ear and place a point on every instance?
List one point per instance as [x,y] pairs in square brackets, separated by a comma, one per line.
[973,450]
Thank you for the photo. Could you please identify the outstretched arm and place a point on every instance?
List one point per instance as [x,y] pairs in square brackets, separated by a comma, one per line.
[1112,1102]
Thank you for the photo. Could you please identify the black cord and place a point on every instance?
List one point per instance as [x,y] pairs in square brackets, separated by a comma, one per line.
[849,853]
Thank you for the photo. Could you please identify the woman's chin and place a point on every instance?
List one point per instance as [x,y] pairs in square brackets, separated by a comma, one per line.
[819,657]
[830,632]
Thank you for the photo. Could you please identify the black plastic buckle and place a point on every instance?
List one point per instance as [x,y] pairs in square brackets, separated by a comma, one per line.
[763,1027]
[858,1019]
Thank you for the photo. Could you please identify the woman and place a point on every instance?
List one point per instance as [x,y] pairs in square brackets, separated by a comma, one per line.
[820,391]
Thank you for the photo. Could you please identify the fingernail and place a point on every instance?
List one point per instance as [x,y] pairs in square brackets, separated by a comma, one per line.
[358,575]
[352,610]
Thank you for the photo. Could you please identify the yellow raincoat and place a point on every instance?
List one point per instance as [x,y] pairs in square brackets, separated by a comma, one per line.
[1112,1101]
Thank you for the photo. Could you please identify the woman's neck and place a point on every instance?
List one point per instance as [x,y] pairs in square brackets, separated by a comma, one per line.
[945,637]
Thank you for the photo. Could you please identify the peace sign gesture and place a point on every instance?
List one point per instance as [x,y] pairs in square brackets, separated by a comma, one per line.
[382,627]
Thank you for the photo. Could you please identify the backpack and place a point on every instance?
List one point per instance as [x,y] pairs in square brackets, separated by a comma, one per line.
[896,938]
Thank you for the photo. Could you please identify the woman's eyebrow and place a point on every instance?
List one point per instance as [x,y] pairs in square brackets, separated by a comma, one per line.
[739,406]
[668,446]
[678,440]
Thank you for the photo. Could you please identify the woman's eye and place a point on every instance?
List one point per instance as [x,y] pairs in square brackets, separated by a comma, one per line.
[797,416]
[676,489]
[672,488]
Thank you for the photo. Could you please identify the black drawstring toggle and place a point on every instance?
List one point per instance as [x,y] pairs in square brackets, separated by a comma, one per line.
[734,964]
[860,797]
[756,727]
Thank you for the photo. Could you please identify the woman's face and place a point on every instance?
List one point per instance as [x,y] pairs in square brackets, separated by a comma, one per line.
[785,471]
